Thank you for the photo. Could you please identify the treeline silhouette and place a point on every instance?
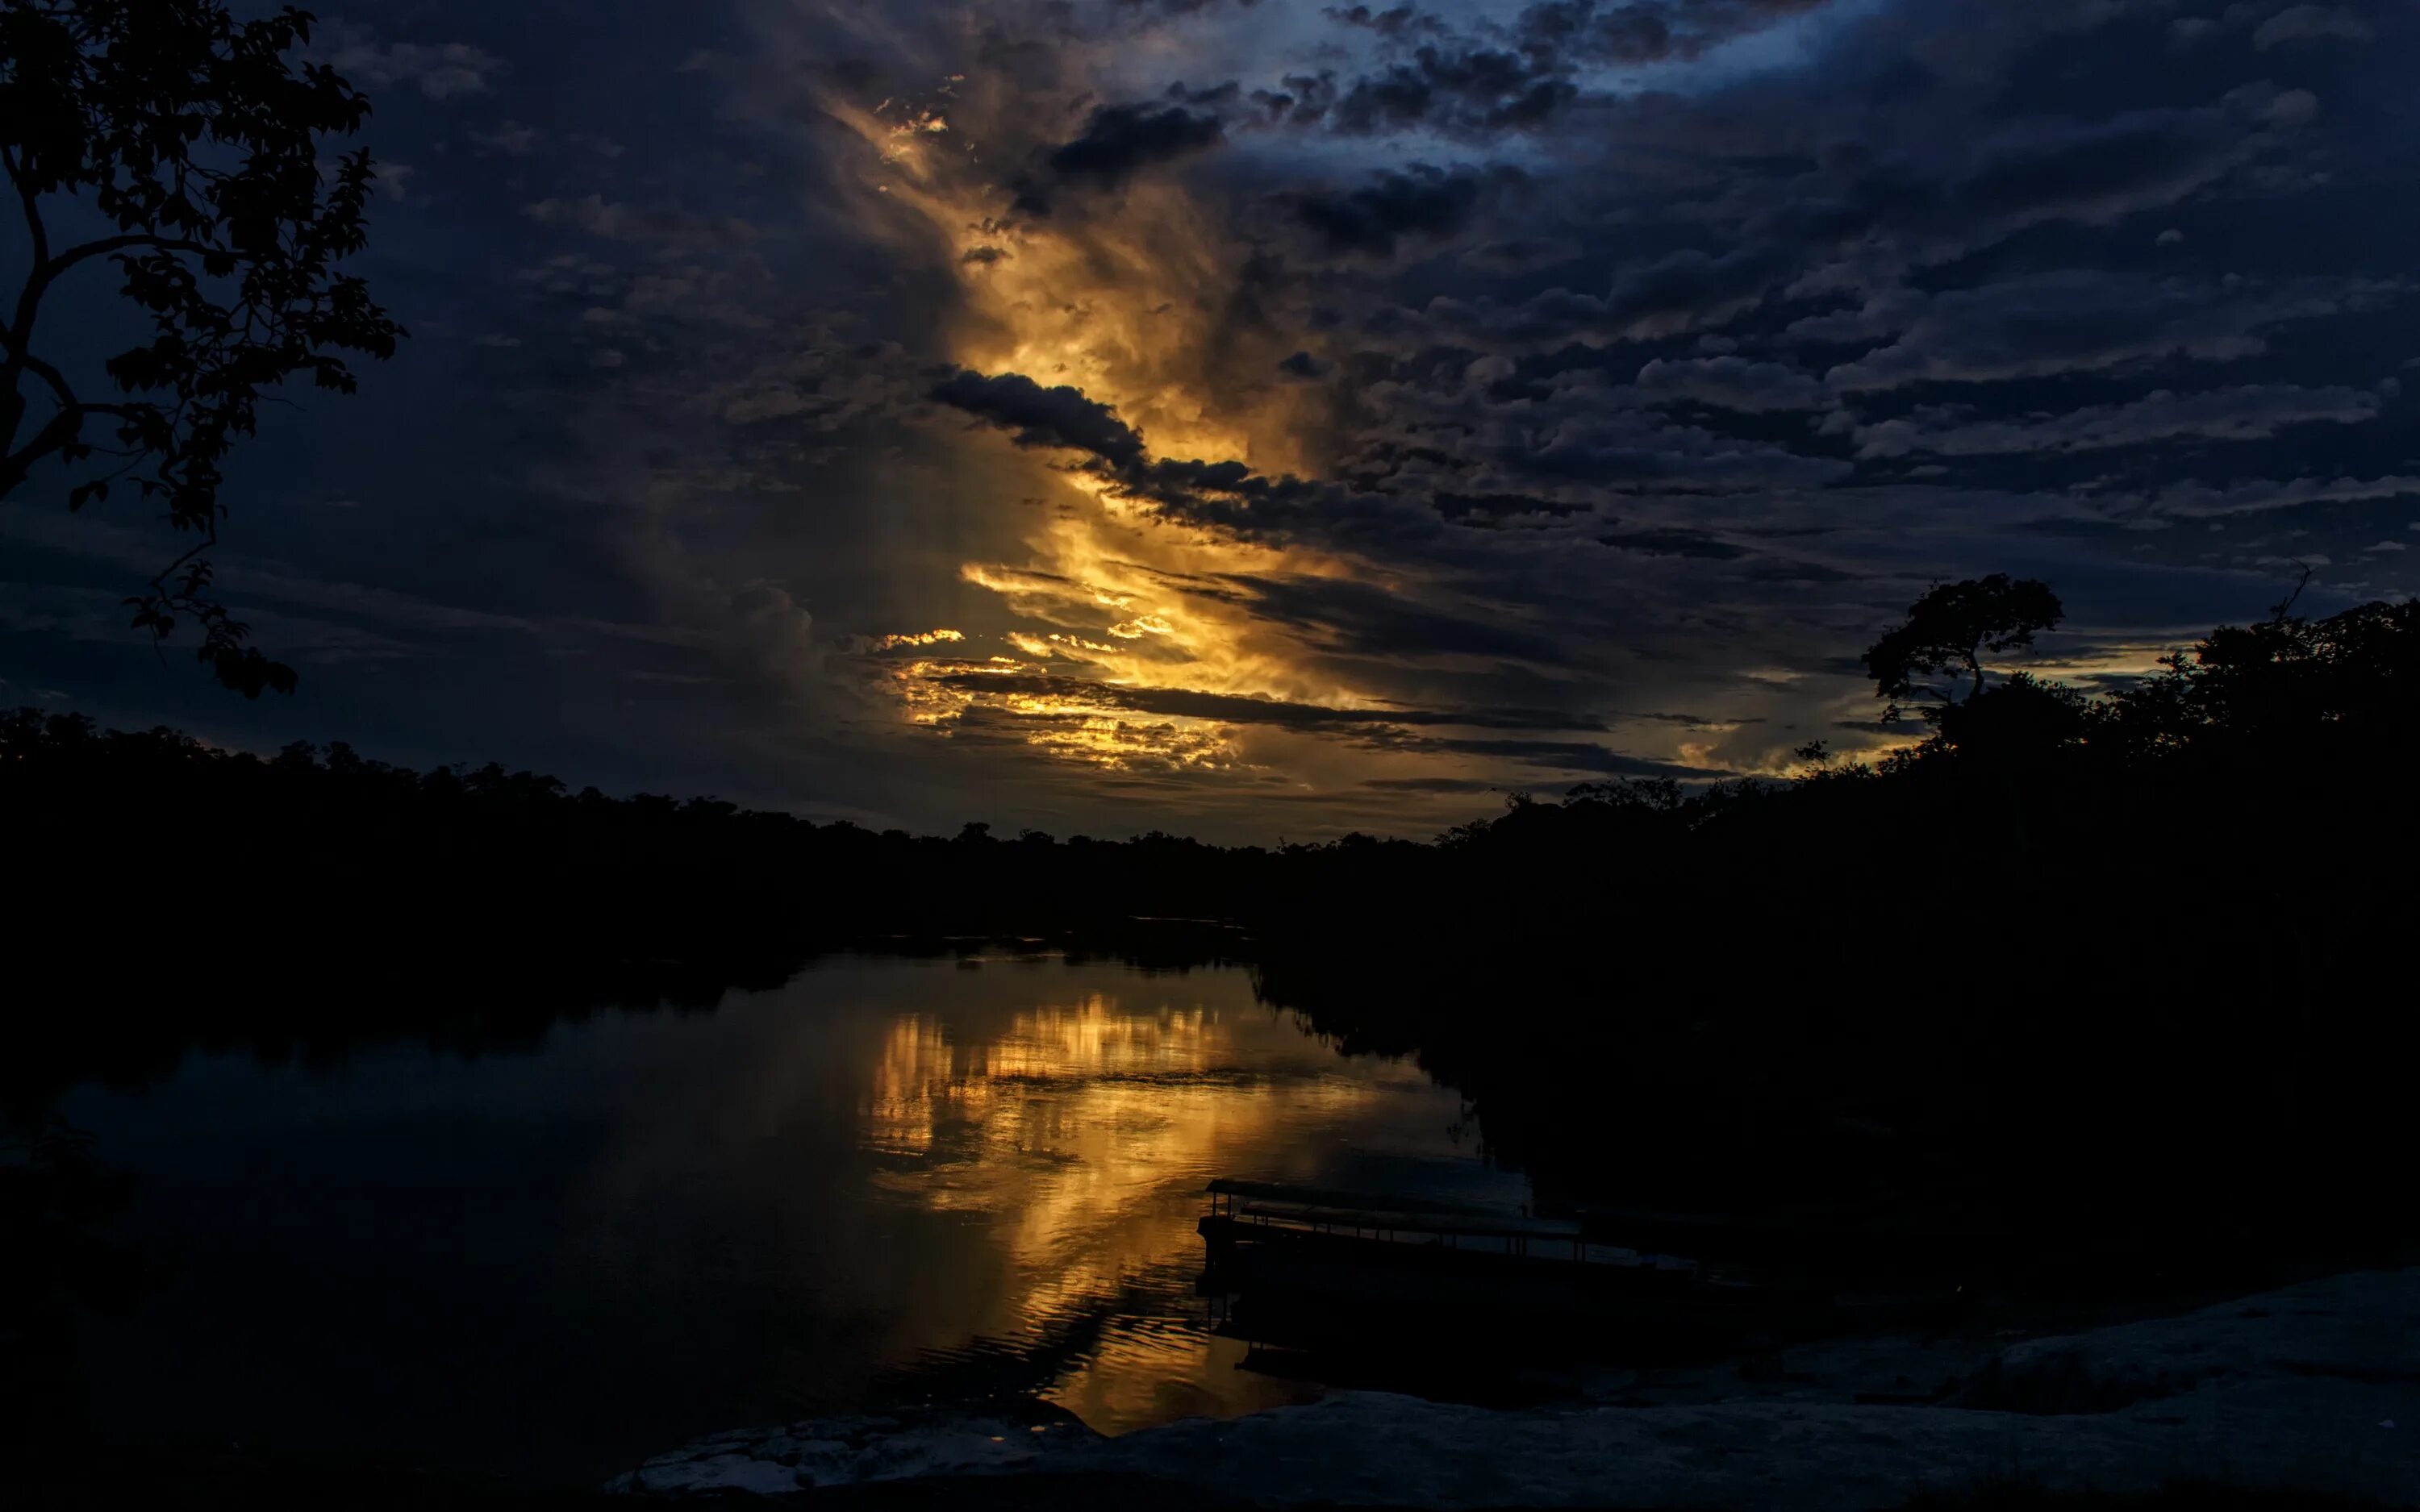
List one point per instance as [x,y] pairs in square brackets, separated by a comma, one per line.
[2088,978]
[194,894]
[2127,966]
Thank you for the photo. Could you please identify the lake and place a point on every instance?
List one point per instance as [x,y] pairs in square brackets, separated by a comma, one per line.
[887,1182]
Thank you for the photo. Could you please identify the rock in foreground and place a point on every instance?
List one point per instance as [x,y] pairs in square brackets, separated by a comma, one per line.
[2316,1388]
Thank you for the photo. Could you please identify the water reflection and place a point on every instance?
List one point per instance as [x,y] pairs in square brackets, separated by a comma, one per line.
[1084,1133]
[886,1179]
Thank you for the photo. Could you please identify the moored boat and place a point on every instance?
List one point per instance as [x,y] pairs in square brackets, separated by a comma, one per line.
[1335,1271]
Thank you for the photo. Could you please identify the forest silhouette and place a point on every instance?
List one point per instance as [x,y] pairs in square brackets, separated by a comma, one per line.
[2101,971]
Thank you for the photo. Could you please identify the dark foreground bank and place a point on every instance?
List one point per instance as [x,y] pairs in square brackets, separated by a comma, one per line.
[218,1481]
[2308,1387]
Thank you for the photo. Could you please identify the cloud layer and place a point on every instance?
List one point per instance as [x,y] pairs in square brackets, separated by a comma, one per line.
[1314,417]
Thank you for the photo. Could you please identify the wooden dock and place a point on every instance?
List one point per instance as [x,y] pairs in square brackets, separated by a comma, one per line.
[1353,1274]
[1259,1213]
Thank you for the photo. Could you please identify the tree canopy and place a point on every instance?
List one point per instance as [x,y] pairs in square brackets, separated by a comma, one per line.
[1950,628]
[181,147]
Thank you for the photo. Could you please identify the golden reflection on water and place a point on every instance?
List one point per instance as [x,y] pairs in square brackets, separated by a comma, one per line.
[1080,1137]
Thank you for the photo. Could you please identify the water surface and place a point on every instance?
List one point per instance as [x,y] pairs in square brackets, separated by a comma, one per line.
[889,1180]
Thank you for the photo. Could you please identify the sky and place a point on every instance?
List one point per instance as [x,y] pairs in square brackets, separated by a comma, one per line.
[1264,420]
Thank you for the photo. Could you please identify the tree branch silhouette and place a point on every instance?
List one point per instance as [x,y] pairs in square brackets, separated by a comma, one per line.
[1950,629]
[198,137]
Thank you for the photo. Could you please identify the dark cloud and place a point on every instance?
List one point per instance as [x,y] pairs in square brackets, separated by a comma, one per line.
[1492,78]
[1497,506]
[1518,255]
[1468,89]
[1673,542]
[2310,23]
[1230,708]
[1882,314]
[2095,171]
[1431,784]
[2026,173]
[2200,500]
[1183,7]
[1679,291]
[1343,615]
[1118,141]
[1554,755]
[1420,201]
[1678,460]
[1653,31]
[2084,319]
[1060,417]
[2249,412]
[1732,384]
[1393,21]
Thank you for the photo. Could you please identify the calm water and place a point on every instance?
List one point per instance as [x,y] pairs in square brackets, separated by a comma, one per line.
[885,1182]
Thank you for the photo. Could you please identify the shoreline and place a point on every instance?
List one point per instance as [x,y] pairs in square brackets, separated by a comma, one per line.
[2311,1388]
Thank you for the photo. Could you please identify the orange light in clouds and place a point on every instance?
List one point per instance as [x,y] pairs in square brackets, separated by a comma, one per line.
[1123,297]
[924,637]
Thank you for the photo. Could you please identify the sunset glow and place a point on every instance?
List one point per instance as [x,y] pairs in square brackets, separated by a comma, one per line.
[1282,420]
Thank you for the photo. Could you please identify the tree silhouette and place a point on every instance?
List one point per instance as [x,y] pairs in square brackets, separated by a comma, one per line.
[189,142]
[1950,629]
